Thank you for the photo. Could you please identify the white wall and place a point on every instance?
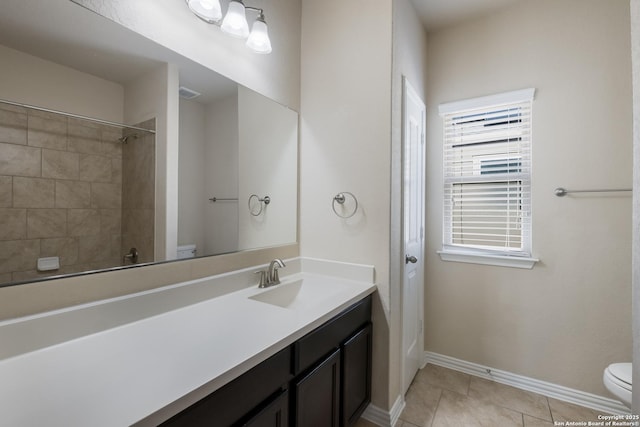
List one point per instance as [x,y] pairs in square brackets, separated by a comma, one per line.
[569,317]
[268,159]
[27,79]
[346,146]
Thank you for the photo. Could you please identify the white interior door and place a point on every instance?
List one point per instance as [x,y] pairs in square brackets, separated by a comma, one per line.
[413,227]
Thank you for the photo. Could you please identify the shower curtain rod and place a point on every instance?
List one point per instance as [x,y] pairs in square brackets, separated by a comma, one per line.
[76,116]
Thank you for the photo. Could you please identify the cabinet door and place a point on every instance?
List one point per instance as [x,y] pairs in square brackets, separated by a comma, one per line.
[356,375]
[276,414]
[317,395]
[309,349]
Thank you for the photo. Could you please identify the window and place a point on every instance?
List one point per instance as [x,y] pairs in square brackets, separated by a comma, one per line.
[487,179]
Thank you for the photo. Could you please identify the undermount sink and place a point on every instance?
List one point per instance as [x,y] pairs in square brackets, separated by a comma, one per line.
[299,293]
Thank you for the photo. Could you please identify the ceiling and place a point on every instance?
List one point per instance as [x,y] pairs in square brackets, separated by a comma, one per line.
[437,14]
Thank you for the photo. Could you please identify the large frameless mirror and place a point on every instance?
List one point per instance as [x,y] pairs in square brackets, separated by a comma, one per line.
[97,126]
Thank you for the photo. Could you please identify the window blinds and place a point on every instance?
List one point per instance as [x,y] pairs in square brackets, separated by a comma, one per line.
[487,177]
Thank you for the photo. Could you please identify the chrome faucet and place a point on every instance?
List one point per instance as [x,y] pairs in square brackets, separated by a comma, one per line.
[270,276]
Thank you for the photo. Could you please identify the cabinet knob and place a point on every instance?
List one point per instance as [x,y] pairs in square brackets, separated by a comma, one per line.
[410,259]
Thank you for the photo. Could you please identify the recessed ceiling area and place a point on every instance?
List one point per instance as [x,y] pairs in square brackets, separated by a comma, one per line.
[437,14]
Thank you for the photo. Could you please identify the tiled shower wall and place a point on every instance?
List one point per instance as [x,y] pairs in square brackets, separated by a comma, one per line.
[138,192]
[60,193]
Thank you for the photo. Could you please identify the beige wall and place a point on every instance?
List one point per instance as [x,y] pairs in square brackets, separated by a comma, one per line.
[345,146]
[251,148]
[221,175]
[154,95]
[209,168]
[635,53]
[569,317]
[191,168]
[31,80]
[268,159]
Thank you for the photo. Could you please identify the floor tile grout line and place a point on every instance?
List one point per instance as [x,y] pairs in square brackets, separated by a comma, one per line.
[550,411]
[535,416]
[498,405]
[435,411]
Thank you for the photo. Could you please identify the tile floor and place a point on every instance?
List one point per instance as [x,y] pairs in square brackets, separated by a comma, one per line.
[442,397]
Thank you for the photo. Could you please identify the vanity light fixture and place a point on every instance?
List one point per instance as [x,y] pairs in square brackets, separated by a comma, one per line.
[235,22]
[259,38]
[207,10]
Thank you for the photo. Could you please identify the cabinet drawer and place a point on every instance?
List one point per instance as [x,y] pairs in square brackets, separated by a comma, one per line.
[227,405]
[318,343]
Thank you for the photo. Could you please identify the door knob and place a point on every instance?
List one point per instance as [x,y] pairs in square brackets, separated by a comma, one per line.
[410,259]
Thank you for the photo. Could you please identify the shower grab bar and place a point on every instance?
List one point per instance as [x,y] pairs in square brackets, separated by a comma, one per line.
[561,192]
[76,116]
[220,199]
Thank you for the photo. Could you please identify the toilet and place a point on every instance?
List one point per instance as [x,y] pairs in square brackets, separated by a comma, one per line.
[617,379]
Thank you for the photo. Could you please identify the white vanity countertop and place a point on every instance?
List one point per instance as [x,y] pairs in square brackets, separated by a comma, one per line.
[82,366]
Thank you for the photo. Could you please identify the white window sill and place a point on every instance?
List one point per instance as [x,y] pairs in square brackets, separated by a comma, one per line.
[488,259]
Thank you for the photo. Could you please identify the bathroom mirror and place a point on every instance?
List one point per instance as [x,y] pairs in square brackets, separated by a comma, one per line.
[230,152]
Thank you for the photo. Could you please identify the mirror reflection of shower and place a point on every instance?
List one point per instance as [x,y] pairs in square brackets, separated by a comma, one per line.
[125,139]
[79,192]
[138,192]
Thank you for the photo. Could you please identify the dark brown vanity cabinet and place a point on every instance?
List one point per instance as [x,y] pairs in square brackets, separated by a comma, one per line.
[317,395]
[344,344]
[245,400]
[274,414]
[321,380]
[356,375]
[336,391]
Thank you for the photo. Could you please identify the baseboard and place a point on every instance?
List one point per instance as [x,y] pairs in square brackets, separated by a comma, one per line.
[384,418]
[598,403]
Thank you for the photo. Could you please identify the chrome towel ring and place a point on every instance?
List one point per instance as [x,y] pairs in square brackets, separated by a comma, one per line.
[339,201]
[262,202]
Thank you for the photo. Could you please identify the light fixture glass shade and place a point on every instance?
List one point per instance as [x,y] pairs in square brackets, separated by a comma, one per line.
[259,38]
[207,10]
[235,22]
